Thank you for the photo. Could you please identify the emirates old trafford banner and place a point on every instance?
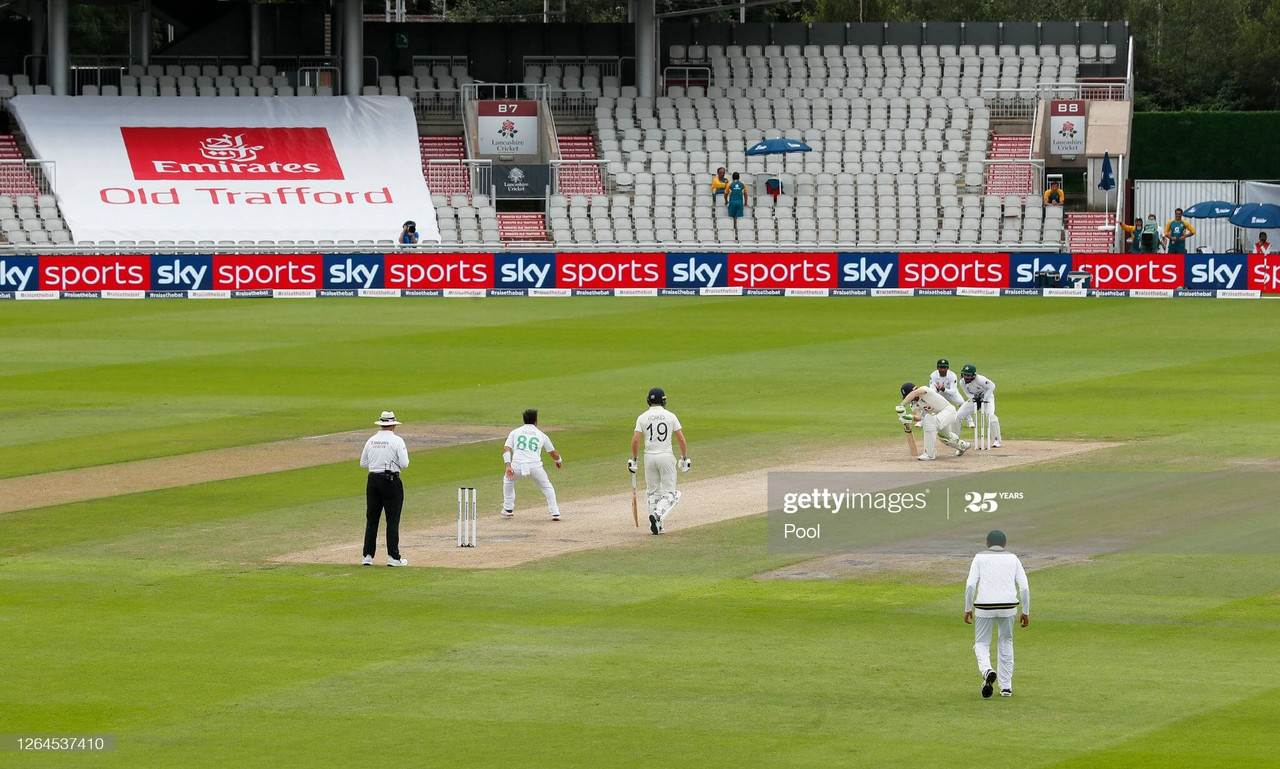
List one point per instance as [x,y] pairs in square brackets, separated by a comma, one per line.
[271,168]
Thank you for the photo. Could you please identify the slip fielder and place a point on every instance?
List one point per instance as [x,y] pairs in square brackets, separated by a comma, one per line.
[944,381]
[936,416]
[657,427]
[981,392]
[522,455]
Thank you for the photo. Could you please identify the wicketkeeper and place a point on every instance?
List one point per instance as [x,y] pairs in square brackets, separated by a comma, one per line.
[982,394]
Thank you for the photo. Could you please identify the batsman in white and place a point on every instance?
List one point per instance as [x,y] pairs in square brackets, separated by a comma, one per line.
[936,416]
[997,584]
[944,381]
[522,455]
[980,391]
[657,427]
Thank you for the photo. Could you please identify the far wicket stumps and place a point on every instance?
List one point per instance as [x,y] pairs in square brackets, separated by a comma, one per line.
[468,512]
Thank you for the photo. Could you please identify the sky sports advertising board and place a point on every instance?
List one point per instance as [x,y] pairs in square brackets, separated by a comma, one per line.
[247,169]
[910,273]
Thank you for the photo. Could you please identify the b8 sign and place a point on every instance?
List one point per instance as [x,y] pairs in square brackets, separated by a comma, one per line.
[1066,108]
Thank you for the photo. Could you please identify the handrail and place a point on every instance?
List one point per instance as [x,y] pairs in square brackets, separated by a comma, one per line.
[454,247]
[43,173]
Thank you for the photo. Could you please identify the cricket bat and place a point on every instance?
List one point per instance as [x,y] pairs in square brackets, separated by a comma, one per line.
[635,502]
[911,441]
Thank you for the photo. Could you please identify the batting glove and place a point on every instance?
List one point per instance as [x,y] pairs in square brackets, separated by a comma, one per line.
[901,409]
[685,464]
[632,465]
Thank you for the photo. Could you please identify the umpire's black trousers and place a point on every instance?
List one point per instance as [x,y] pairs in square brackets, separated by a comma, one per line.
[383,490]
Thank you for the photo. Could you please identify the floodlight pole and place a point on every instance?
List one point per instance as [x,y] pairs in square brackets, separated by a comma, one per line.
[59,45]
[646,23]
[352,47]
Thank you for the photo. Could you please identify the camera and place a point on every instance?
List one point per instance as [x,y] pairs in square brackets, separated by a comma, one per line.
[410,226]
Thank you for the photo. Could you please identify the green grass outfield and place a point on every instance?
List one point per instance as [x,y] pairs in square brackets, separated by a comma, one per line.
[158,617]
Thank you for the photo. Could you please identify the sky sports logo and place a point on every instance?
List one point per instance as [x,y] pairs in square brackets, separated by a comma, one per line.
[18,273]
[202,154]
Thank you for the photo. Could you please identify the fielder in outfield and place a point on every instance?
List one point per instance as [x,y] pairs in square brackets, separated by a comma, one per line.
[980,391]
[657,426]
[522,455]
[996,585]
[936,416]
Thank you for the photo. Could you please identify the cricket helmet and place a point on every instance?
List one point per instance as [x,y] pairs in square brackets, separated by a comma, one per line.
[657,396]
[907,387]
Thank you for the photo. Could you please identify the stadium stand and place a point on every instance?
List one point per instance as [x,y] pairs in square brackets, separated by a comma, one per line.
[26,215]
[899,136]
[900,139]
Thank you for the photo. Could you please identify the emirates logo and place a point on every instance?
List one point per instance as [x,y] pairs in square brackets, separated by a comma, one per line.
[228,147]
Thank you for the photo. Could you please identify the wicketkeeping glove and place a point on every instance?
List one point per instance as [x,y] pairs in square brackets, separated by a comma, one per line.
[632,465]
[685,464]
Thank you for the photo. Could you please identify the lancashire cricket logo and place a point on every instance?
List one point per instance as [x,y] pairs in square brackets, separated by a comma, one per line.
[1068,130]
[508,130]
[516,176]
[228,147]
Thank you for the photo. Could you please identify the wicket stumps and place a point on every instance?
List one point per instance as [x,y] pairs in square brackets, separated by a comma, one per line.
[981,427]
[468,512]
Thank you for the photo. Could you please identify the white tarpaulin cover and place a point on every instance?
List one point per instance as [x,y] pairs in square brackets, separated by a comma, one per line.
[232,169]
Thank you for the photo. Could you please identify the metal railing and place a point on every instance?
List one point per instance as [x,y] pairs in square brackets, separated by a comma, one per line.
[685,77]
[1011,103]
[1091,90]
[580,171]
[577,104]
[431,62]
[479,172]
[29,177]
[1035,167]
[320,76]
[88,248]
[605,66]
[500,91]
[430,103]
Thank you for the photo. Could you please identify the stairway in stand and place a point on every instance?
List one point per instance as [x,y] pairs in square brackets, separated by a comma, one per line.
[1083,235]
[579,180]
[444,178]
[522,227]
[1010,179]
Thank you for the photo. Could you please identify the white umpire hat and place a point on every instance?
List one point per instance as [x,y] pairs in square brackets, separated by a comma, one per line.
[388,419]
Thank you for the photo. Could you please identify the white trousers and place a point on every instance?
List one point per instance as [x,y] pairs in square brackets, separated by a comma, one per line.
[944,423]
[660,482]
[539,476]
[982,627]
[988,407]
[953,396]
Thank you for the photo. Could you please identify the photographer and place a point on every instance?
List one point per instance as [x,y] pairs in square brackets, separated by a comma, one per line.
[409,234]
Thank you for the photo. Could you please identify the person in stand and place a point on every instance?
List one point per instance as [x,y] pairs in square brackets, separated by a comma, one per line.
[1177,231]
[1263,246]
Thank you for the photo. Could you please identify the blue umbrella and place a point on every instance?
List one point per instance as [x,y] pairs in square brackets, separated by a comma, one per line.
[777,147]
[1256,216]
[1210,209]
[1108,181]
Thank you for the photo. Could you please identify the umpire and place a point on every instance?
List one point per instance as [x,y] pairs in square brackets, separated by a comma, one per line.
[385,456]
